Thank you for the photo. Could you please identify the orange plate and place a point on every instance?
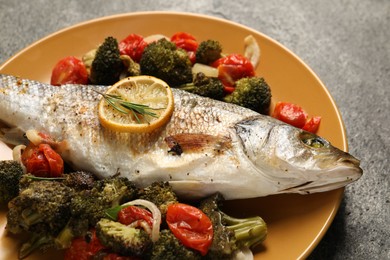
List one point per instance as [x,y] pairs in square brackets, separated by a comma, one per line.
[296,223]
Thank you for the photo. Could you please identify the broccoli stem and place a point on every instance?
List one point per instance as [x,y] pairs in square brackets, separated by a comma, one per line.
[64,238]
[31,217]
[34,243]
[187,87]
[249,232]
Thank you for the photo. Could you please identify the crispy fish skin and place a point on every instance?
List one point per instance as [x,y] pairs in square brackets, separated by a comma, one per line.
[207,146]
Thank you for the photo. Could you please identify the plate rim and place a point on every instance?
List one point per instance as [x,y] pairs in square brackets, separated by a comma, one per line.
[329,220]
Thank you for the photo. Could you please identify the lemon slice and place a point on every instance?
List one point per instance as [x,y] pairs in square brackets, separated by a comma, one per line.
[136,104]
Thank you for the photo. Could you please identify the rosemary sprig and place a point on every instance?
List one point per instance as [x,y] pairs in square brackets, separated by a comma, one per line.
[36,178]
[126,107]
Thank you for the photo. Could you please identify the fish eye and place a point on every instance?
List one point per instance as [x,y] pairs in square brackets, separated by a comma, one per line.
[313,140]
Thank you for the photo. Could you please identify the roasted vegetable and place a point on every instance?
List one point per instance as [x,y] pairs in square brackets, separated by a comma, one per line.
[79,180]
[123,239]
[231,234]
[169,247]
[208,51]
[10,174]
[205,86]
[41,209]
[253,93]
[164,60]
[132,68]
[88,206]
[106,65]
[161,194]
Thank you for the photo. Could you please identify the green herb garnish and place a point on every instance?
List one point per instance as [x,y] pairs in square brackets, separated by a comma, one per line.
[36,178]
[112,213]
[126,107]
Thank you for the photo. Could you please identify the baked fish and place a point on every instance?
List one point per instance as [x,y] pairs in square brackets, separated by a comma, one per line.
[207,146]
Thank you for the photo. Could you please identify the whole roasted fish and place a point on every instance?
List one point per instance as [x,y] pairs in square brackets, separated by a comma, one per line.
[207,146]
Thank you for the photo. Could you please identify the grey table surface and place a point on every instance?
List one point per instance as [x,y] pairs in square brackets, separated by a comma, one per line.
[346,43]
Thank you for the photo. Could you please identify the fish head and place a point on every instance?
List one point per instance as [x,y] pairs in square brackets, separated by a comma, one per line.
[296,161]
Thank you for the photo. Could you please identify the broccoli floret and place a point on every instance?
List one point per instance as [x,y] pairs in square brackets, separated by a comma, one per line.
[205,86]
[170,248]
[41,207]
[107,65]
[208,51]
[91,204]
[88,206]
[79,180]
[117,190]
[122,239]
[10,174]
[231,234]
[253,93]
[161,194]
[164,60]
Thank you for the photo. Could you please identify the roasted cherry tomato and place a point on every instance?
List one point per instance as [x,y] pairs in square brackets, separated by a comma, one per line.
[231,68]
[191,226]
[42,161]
[131,214]
[80,249]
[69,70]
[312,124]
[187,42]
[290,113]
[133,46]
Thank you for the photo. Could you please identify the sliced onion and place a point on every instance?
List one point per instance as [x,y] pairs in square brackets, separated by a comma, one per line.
[34,137]
[252,50]
[207,70]
[155,37]
[243,254]
[17,155]
[155,213]
[143,224]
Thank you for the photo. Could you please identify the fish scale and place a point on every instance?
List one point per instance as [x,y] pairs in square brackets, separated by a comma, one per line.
[207,146]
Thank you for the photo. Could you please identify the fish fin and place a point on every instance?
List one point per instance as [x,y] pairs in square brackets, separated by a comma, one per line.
[297,187]
[12,135]
[187,142]
[190,189]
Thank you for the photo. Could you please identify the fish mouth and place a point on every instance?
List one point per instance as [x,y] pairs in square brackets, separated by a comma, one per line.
[333,179]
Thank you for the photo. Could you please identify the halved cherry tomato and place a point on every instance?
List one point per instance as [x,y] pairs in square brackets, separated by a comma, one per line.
[312,124]
[133,46]
[191,226]
[77,250]
[131,214]
[187,42]
[69,70]
[290,113]
[80,249]
[42,161]
[232,68]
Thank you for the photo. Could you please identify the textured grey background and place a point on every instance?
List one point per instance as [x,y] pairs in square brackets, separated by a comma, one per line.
[347,44]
